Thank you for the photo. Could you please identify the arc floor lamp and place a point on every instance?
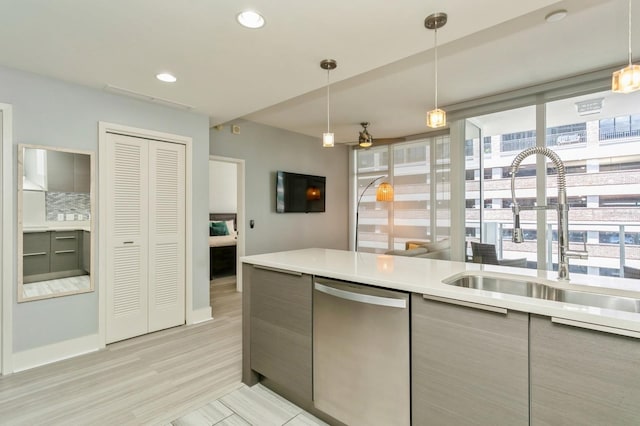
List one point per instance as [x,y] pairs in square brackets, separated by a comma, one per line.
[383,193]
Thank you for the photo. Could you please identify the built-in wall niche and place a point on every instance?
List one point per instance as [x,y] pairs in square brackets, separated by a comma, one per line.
[55,211]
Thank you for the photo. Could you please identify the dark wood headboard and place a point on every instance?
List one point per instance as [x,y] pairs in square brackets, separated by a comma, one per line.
[225,216]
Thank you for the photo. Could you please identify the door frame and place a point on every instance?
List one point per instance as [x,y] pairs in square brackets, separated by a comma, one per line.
[103,129]
[240,219]
[8,235]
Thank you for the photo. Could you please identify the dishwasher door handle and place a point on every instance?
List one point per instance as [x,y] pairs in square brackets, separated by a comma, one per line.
[361,298]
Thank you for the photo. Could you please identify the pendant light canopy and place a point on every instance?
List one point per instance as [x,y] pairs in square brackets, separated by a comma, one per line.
[327,138]
[365,140]
[627,79]
[436,117]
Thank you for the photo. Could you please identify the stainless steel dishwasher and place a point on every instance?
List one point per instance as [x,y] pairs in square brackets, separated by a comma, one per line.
[361,363]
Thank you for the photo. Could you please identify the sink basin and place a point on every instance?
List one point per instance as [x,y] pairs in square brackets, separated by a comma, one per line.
[546,292]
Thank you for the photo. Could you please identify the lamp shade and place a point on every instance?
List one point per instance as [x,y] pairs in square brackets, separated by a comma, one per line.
[384,192]
[626,80]
[436,118]
[327,140]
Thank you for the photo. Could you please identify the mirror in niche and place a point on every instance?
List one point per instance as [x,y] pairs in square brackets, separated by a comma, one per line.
[55,222]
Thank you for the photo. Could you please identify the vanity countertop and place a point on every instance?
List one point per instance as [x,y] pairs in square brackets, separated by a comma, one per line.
[426,276]
[58,226]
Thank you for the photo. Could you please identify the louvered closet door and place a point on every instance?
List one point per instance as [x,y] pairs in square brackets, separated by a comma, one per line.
[127,228]
[166,235]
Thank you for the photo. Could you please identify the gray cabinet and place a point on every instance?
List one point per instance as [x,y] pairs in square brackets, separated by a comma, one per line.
[86,251]
[68,172]
[35,253]
[64,251]
[581,376]
[277,330]
[469,363]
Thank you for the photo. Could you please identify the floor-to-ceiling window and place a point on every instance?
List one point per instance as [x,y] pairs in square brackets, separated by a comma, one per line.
[419,172]
[597,137]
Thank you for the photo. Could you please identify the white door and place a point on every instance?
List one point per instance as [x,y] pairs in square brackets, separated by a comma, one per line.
[127,228]
[146,236]
[166,235]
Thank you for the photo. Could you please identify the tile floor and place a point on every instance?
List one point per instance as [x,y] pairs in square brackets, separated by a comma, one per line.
[61,285]
[256,406]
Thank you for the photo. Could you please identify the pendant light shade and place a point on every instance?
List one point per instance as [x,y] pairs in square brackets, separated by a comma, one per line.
[436,117]
[384,192]
[327,138]
[365,140]
[627,79]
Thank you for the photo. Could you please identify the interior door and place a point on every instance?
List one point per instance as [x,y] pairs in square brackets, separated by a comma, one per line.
[127,224]
[166,235]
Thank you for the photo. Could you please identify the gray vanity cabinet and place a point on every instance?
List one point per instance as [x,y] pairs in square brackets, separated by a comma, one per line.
[582,376]
[64,251]
[469,363]
[277,333]
[35,253]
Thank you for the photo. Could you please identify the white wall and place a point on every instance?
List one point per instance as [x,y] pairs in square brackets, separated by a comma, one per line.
[266,150]
[55,113]
[223,187]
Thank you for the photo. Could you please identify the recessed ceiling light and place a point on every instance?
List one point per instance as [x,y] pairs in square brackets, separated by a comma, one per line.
[166,77]
[250,19]
[556,15]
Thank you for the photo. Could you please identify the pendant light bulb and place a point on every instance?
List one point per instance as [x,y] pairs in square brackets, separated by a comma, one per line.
[436,117]
[627,79]
[328,138]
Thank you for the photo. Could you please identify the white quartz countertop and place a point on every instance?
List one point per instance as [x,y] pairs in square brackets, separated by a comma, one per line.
[425,276]
[78,226]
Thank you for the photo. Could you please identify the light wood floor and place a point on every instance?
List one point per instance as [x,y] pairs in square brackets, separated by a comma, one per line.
[152,379]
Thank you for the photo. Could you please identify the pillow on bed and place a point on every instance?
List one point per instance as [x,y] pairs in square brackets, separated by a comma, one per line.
[231,227]
[217,229]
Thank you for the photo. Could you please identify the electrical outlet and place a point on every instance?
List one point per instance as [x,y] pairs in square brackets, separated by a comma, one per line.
[235,129]
[70,216]
[60,216]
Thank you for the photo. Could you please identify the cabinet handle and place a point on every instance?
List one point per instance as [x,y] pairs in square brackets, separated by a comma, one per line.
[71,237]
[596,327]
[42,253]
[64,251]
[128,242]
[480,306]
[368,299]
[282,271]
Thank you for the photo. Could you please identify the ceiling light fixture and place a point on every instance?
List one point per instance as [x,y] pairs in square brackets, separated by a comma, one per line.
[327,138]
[250,19]
[627,79]
[556,15]
[365,140]
[166,77]
[436,117]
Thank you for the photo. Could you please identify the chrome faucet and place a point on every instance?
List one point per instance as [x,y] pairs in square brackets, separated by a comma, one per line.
[562,207]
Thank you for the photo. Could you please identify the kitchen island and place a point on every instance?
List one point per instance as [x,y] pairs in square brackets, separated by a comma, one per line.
[476,356]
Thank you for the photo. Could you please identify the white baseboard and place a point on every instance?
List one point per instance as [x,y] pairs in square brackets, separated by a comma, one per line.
[201,315]
[55,352]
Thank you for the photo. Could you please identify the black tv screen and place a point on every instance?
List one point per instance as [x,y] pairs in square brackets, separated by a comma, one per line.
[299,193]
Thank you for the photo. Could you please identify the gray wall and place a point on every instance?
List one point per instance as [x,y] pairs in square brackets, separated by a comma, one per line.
[55,113]
[266,150]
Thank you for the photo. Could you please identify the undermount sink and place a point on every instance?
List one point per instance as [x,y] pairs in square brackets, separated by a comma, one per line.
[546,292]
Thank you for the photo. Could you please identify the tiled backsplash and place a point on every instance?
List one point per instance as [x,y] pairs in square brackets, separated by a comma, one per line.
[66,203]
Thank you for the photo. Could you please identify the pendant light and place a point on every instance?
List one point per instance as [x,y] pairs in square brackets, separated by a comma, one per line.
[365,140]
[627,79]
[436,117]
[327,138]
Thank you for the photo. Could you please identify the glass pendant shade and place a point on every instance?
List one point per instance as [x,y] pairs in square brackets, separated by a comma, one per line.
[327,140]
[365,144]
[626,80]
[384,192]
[436,118]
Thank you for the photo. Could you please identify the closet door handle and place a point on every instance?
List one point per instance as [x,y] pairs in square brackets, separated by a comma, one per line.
[128,242]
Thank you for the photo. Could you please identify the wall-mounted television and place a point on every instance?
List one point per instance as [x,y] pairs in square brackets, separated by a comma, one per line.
[300,193]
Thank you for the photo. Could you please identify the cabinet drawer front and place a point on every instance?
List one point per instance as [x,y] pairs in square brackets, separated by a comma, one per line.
[67,240]
[64,260]
[35,242]
[35,264]
[469,365]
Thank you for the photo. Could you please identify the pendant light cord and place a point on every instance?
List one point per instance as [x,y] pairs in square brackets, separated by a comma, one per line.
[328,100]
[629,32]
[436,64]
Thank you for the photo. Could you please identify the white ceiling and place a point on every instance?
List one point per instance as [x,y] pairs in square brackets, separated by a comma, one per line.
[272,75]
